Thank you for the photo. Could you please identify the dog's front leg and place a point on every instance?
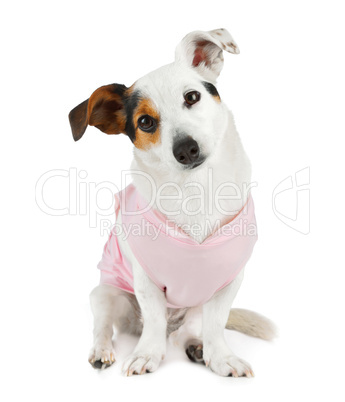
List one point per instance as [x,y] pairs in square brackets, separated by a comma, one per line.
[151,347]
[217,355]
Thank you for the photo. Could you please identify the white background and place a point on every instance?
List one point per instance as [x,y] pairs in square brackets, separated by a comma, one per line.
[286,90]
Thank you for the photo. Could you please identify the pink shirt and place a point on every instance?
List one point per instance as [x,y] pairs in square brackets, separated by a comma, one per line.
[189,272]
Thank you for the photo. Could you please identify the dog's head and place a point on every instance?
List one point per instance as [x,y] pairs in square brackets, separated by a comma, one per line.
[172,115]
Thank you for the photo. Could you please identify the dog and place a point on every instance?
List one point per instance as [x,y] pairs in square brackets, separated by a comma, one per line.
[186,152]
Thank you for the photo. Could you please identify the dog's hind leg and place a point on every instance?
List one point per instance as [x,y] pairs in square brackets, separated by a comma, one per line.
[111,306]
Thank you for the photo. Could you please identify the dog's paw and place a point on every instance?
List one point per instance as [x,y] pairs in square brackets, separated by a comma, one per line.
[194,351]
[230,366]
[141,363]
[101,357]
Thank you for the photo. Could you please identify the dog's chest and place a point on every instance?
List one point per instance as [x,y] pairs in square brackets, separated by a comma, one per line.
[200,210]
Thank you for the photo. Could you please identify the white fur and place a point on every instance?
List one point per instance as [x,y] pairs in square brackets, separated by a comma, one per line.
[211,124]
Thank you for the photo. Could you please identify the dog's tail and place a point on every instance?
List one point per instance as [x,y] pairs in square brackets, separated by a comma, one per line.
[251,323]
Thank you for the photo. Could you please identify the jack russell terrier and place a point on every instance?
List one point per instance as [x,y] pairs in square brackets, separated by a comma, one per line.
[188,216]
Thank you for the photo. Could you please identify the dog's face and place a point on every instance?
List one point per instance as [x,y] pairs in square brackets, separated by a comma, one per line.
[174,115]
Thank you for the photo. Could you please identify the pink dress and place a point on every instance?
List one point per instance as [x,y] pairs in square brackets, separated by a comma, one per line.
[188,272]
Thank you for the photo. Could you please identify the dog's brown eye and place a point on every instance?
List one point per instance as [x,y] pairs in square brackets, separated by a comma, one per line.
[192,97]
[146,123]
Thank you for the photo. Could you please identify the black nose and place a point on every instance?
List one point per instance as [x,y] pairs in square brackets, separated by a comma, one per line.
[186,151]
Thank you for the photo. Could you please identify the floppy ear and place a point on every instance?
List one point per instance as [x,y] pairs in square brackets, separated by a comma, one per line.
[104,110]
[204,51]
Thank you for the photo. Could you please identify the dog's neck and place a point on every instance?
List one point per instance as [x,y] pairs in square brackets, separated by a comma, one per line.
[203,199]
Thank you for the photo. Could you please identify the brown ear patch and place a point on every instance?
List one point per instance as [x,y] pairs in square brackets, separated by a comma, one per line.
[78,120]
[104,110]
[144,140]
[116,109]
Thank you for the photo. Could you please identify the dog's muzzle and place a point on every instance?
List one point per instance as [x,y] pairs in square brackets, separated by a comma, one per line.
[187,152]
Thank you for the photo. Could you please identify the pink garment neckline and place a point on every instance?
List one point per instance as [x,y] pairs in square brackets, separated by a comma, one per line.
[159,220]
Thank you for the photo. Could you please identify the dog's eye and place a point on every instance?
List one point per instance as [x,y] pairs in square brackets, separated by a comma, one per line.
[146,123]
[192,97]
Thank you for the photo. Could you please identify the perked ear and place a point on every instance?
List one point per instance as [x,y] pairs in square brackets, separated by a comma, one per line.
[204,51]
[104,110]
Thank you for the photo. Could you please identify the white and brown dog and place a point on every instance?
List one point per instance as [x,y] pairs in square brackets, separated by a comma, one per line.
[181,131]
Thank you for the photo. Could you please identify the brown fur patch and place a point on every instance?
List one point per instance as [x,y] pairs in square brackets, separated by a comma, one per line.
[217,98]
[230,44]
[105,110]
[145,140]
